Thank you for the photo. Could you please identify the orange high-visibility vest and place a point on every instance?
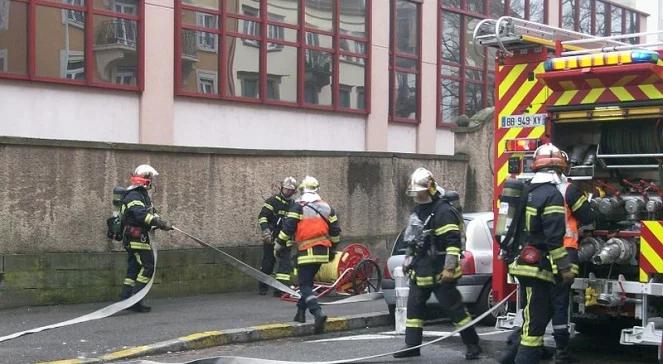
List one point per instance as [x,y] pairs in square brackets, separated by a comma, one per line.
[312,229]
[571,234]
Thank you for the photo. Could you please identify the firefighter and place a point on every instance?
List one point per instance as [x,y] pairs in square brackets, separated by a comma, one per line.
[138,217]
[270,219]
[432,263]
[577,212]
[542,234]
[312,227]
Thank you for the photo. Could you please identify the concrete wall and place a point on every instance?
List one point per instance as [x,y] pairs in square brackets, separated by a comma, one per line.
[56,196]
[65,112]
[238,125]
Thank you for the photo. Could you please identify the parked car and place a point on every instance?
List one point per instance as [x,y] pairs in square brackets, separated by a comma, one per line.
[477,265]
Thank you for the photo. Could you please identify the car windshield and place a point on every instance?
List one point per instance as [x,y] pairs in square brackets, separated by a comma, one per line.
[399,246]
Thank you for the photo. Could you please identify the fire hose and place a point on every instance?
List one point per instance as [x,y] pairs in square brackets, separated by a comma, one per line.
[245,360]
[124,304]
[98,314]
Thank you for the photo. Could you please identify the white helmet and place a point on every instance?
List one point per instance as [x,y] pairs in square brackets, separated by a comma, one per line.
[421,186]
[288,187]
[143,175]
[309,184]
[548,156]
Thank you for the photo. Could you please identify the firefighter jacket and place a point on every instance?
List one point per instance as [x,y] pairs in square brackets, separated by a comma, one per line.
[273,213]
[312,226]
[137,217]
[544,227]
[442,236]
[577,210]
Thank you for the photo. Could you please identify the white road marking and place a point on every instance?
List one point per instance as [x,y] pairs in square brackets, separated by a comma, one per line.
[392,334]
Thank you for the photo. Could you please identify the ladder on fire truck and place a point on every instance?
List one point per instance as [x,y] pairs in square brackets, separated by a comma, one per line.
[509,34]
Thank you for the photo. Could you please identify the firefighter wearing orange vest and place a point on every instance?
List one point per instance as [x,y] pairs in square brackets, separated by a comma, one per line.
[577,212]
[312,226]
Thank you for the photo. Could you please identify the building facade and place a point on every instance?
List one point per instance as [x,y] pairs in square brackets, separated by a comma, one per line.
[349,75]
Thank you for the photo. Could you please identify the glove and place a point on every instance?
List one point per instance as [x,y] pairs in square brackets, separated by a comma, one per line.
[267,236]
[162,224]
[448,276]
[407,264]
[567,276]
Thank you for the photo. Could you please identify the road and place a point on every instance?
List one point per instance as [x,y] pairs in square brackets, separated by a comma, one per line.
[590,350]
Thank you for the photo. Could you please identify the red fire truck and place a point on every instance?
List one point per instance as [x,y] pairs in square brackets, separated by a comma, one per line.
[601,100]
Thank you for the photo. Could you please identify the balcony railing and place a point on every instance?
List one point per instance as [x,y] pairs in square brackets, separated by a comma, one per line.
[117,32]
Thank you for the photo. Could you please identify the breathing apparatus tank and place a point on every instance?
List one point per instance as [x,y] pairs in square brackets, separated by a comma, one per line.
[509,206]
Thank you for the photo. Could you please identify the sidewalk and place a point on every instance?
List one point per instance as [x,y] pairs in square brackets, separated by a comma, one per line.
[174,324]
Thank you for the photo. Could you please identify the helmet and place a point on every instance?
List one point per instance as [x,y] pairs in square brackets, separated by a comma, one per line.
[143,176]
[549,156]
[421,185]
[288,187]
[309,184]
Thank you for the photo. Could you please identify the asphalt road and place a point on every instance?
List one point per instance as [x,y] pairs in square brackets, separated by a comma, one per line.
[170,318]
[590,350]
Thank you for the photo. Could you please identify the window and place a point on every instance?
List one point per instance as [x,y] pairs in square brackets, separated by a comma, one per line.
[207,82]
[405,61]
[465,80]
[301,53]
[73,42]
[534,10]
[600,17]
[207,41]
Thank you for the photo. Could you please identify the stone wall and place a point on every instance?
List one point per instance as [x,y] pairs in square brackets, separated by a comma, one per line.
[55,197]
[476,141]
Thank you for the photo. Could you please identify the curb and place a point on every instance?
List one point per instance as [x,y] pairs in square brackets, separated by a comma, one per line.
[209,339]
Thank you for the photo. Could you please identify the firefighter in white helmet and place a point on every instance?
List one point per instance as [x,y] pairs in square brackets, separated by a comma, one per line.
[433,236]
[271,217]
[312,227]
[138,217]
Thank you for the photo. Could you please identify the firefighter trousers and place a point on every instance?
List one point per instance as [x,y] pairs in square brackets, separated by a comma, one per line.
[284,266]
[267,265]
[307,300]
[140,268]
[536,315]
[560,315]
[452,304]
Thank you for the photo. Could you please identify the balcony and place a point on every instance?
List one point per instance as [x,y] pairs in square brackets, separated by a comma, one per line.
[117,33]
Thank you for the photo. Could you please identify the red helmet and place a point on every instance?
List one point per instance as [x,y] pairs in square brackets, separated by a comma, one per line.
[143,176]
[549,156]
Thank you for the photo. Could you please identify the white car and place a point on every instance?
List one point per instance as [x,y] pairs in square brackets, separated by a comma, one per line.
[477,265]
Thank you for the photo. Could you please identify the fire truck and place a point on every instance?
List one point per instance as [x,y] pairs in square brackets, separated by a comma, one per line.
[600,99]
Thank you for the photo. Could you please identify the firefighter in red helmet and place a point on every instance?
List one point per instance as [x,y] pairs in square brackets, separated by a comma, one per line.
[138,217]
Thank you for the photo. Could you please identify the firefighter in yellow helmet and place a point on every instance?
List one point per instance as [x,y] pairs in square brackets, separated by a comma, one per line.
[541,236]
[138,217]
[433,263]
[271,217]
[312,227]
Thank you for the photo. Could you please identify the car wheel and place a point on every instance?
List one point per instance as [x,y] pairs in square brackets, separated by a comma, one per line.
[392,312]
[486,302]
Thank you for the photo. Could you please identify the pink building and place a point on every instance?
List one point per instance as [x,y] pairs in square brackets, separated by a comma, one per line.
[353,75]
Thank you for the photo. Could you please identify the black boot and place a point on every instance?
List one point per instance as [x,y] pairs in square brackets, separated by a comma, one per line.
[277,293]
[562,356]
[473,352]
[262,289]
[126,292]
[300,316]
[319,324]
[407,353]
[528,355]
[512,343]
[140,307]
